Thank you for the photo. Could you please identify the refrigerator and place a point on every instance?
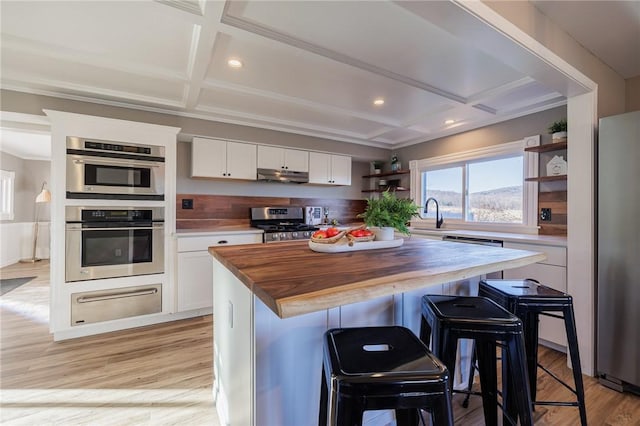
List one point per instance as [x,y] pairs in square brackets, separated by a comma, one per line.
[618,265]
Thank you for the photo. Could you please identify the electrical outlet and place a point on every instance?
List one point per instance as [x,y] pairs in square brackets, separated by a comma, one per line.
[545,215]
[187,203]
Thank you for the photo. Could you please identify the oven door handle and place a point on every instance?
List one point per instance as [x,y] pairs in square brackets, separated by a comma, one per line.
[116,163]
[128,228]
[87,299]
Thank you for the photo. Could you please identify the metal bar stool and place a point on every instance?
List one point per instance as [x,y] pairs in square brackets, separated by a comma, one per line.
[528,299]
[377,368]
[445,319]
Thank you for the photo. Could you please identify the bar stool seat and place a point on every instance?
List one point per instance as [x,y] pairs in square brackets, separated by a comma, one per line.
[528,299]
[445,319]
[377,368]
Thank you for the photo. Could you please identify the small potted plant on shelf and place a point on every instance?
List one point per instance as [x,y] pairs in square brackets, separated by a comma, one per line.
[377,167]
[386,213]
[558,130]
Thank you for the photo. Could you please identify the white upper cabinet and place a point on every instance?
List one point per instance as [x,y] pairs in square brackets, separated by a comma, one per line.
[215,158]
[329,169]
[271,157]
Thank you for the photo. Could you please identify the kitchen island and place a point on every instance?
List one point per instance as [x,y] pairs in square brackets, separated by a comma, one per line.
[273,302]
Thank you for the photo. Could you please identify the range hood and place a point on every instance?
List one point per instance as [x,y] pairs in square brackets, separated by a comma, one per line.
[283,176]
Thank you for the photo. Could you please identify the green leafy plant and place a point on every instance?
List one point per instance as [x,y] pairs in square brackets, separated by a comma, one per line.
[388,210]
[558,126]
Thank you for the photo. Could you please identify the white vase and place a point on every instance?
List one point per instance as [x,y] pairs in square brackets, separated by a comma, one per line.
[384,233]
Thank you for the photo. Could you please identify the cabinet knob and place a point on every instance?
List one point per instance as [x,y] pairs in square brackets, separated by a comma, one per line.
[223,242]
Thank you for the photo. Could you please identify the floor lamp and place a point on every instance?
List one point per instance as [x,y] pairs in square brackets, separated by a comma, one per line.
[43,197]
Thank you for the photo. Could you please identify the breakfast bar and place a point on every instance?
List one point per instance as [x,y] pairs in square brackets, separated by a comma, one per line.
[272,306]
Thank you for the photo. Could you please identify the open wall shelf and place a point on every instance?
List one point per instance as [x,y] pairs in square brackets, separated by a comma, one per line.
[547,147]
[546,178]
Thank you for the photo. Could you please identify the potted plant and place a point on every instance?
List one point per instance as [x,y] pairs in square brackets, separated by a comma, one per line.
[377,167]
[558,129]
[387,213]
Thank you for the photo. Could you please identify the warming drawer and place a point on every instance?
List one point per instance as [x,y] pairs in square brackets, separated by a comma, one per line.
[104,305]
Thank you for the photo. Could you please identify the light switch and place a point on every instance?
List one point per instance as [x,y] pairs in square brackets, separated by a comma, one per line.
[545,215]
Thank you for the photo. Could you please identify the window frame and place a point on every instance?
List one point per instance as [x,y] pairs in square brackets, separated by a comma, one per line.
[530,189]
[7,179]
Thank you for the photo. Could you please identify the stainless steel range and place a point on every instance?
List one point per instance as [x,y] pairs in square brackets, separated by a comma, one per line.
[285,223]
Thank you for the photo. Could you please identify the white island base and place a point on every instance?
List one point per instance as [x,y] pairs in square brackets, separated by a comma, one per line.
[268,370]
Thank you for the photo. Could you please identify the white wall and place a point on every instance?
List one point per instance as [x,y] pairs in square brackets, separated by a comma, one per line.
[16,242]
[16,235]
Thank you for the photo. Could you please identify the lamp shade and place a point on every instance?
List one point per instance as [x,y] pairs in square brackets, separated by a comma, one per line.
[44,196]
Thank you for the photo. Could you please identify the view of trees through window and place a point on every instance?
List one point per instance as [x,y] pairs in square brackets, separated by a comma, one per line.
[494,190]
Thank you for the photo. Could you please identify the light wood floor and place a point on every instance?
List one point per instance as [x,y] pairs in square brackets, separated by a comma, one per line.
[161,375]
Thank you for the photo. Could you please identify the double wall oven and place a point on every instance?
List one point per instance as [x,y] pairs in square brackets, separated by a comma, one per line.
[114,239]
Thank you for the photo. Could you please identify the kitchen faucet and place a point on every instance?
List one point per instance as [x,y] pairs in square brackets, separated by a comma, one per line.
[426,205]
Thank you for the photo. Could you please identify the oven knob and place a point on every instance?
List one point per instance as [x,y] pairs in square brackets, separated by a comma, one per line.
[274,237]
[307,234]
[283,236]
[294,235]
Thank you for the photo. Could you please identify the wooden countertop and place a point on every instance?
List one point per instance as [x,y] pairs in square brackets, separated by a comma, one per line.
[291,279]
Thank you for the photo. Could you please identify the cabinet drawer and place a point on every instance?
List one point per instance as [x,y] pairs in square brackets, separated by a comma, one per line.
[555,255]
[203,243]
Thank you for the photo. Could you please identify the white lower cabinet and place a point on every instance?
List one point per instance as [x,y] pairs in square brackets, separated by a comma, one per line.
[551,272]
[194,286]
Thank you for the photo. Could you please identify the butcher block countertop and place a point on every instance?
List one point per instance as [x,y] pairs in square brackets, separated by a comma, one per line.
[291,279]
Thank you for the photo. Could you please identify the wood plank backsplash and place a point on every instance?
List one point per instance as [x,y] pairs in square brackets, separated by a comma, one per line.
[222,210]
[557,202]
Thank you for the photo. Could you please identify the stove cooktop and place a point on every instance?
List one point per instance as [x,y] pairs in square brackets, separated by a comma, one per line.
[286,227]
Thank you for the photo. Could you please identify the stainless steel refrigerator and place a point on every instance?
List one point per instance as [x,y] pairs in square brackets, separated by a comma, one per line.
[618,333]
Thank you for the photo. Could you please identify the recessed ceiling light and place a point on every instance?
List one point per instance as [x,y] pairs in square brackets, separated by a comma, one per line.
[449,121]
[234,63]
[378,102]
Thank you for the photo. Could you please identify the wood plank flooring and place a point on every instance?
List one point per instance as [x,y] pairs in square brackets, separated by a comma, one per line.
[162,375]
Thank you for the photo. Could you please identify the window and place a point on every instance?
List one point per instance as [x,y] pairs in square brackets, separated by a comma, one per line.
[481,188]
[7,179]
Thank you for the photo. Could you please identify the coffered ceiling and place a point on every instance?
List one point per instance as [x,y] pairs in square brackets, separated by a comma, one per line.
[308,67]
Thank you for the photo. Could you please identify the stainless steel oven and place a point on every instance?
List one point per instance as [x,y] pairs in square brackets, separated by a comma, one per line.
[110,170]
[109,242]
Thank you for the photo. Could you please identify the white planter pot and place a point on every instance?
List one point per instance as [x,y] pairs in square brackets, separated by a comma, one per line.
[559,135]
[385,233]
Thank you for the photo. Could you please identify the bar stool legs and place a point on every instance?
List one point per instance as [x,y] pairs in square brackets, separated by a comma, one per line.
[527,299]
[445,319]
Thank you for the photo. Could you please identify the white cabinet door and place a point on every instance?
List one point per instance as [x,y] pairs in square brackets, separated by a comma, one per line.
[208,158]
[319,168]
[329,169]
[195,280]
[270,157]
[233,348]
[241,161]
[340,170]
[547,273]
[376,312]
[296,160]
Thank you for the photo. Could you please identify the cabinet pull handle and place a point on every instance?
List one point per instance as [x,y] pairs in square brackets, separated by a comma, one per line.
[86,299]
[223,242]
